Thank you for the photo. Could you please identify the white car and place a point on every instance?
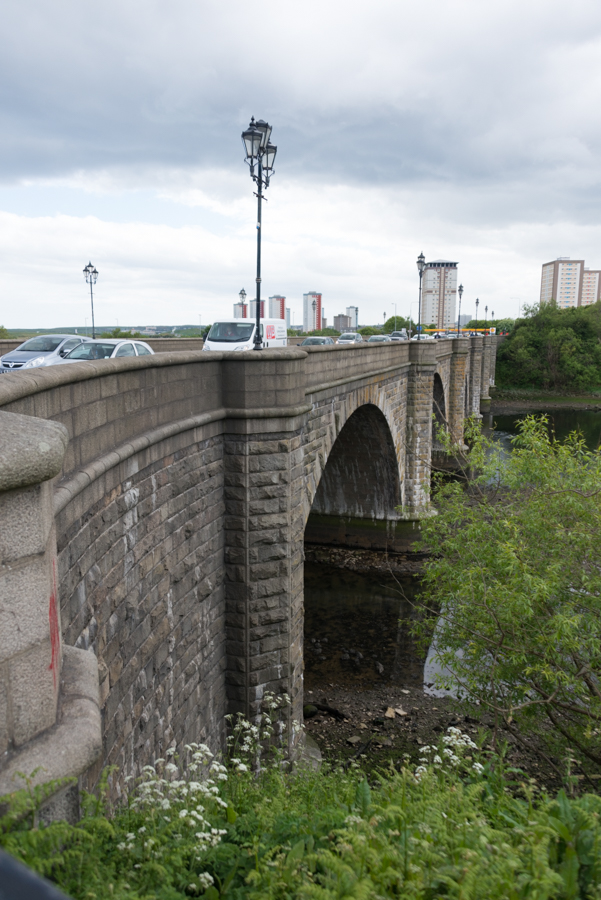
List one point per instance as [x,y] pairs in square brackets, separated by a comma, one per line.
[107,349]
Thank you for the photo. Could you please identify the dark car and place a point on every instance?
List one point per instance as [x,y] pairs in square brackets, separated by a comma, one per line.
[379,339]
[44,350]
[316,341]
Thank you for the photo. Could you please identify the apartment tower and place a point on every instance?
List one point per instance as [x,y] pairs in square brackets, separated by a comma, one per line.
[439,293]
[569,283]
[277,307]
[312,315]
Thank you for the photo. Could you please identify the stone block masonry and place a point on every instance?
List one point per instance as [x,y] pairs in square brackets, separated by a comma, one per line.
[162,502]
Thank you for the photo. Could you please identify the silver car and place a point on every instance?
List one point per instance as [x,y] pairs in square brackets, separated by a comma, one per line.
[108,349]
[352,337]
[44,350]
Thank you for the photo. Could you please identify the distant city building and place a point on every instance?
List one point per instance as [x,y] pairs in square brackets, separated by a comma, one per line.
[591,286]
[253,309]
[569,283]
[343,323]
[464,319]
[439,293]
[324,322]
[287,317]
[312,314]
[353,314]
[277,307]
[240,310]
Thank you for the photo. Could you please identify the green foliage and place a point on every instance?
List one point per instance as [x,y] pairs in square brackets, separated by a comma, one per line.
[504,325]
[4,333]
[449,828]
[553,348]
[516,582]
[368,330]
[394,324]
[122,335]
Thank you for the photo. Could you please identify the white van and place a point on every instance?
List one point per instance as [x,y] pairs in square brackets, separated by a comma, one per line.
[239,334]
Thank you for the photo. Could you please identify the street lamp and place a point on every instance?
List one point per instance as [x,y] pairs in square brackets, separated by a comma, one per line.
[314,304]
[477,305]
[384,315]
[485,316]
[242,296]
[421,265]
[260,155]
[460,292]
[91,274]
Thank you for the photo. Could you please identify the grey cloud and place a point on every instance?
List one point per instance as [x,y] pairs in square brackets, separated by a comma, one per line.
[463,95]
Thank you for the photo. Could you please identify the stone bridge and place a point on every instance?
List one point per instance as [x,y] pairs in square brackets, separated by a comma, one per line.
[152,521]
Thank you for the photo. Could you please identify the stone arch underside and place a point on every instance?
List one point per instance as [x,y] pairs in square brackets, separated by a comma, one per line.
[361,477]
[439,419]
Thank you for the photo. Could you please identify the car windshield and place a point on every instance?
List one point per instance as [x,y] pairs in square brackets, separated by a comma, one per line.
[230,332]
[378,337]
[92,351]
[309,341]
[41,344]
[346,337]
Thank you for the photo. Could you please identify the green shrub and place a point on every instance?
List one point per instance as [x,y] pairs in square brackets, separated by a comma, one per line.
[251,829]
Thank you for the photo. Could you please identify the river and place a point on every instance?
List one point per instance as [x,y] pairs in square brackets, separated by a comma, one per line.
[356,626]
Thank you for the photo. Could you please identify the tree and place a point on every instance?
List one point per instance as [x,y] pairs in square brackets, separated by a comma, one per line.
[368,330]
[4,332]
[516,583]
[395,323]
[553,348]
[121,335]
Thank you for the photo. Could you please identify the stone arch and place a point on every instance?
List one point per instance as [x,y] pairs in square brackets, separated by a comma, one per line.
[361,475]
[438,408]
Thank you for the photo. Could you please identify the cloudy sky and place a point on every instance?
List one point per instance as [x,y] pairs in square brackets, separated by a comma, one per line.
[468,130]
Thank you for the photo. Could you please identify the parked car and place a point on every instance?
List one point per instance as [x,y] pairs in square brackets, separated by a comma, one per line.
[400,335]
[352,337]
[44,350]
[422,337]
[379,339]
[107,349]
[316,341]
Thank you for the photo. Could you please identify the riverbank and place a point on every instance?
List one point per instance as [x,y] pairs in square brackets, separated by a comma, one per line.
[507,401]
[369,691]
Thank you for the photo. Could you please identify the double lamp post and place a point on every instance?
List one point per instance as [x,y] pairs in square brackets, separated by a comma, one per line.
[260,156]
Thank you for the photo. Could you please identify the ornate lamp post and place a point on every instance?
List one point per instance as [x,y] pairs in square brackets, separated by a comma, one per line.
[260,156]
[314,305]
[460,292]
[242,296]
[421,265]
[485,316]
[477,305]
[91,274]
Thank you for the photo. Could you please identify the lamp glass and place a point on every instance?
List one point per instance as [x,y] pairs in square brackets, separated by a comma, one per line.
[252,142]
[265,129]
[421,263]
[269,157]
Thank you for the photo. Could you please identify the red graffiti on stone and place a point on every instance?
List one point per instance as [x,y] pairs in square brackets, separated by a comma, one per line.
[55,635]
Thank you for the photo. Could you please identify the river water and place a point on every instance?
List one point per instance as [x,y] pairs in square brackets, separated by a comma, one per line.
[357,627]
